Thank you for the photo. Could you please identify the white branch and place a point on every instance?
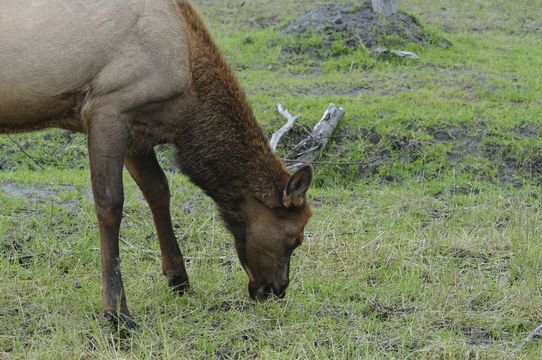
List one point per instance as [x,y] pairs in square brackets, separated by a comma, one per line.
[315,144]
[384,52]
[274,142]
[536,333]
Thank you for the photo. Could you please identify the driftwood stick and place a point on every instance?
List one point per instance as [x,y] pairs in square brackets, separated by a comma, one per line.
[274,142]
[536,333]
[315,144]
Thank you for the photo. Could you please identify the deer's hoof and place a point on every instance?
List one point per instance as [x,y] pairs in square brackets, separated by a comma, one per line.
[124,323]
[179,283]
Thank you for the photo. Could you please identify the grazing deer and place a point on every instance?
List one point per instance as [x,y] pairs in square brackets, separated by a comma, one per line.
[132,74]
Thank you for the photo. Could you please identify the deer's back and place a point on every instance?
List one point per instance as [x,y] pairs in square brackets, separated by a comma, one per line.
[57,53]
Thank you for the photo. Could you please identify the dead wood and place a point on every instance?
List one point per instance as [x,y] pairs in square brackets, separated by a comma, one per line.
[273,143]
[381,52]
[310,149]
[532,336]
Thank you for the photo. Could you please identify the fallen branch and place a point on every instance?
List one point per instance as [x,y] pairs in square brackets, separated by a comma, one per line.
[536,333]
[312,147]
[274,142]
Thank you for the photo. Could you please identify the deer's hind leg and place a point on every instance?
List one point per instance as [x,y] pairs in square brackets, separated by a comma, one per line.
[152,181]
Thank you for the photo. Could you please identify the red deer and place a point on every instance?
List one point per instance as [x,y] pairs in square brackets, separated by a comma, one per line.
[132,74]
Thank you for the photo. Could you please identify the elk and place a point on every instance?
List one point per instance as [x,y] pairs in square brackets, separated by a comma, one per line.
[132,74]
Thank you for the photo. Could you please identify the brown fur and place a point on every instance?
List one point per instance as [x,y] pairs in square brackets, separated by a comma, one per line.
[199,107]
[224,117]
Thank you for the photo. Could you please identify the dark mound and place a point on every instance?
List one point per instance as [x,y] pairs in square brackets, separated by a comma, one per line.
[357,25]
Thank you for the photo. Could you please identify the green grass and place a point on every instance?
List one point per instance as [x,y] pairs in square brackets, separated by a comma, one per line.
[431,249]
[419,270]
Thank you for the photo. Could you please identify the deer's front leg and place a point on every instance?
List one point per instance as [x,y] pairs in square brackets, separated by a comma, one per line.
[152,181]
[107,143]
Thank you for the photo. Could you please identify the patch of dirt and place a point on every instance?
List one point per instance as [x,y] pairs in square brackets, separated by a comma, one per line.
[496,261]
[527,130]
[409,149]
[479,336]
[384,312]
[333,311]
[531,26]
[474,335]
[14,249]
[371,135]
[470,149]
[34,193]
[506,162]
[223,353]
[354,26]
[476,142]
[37,193]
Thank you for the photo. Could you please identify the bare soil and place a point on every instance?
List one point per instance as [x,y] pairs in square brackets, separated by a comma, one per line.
[354,26]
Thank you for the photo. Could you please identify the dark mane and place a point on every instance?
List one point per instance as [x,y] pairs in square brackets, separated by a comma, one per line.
[224,151]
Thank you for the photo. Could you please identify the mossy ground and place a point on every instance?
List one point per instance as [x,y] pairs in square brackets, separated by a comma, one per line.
[429,249]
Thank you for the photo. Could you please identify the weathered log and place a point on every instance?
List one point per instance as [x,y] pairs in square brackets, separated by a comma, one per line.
[273,143]
[312,147]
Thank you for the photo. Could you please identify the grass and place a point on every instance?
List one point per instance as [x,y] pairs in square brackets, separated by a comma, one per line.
[431,252]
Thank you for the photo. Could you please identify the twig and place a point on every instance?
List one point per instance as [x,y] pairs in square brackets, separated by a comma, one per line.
[304,142]
[274,142]
[24,152]
[141,248]
[335,163]
[309,134]
[307,151]
[537,332]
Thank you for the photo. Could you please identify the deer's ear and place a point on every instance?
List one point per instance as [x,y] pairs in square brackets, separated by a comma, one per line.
[294,194]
